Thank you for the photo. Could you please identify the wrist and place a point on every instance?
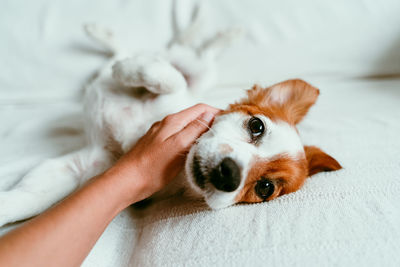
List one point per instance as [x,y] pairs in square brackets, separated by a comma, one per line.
[124,184]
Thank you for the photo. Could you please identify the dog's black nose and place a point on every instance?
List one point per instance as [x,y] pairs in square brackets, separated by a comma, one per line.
[226,176]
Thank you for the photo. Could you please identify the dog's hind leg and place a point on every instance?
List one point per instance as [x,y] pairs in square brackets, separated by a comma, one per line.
[153,72]
[49,183]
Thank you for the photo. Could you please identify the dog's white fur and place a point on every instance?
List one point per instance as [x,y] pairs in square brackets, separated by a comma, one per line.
[121,104]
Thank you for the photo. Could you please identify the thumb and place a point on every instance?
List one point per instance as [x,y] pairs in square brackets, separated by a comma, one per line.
[186,137]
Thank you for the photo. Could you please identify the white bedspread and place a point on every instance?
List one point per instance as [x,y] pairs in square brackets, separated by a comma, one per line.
[345,218]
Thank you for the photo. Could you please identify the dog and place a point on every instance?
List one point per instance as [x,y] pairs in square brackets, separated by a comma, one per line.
[251,153]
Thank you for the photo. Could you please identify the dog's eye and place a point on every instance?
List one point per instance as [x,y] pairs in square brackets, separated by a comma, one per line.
[264,188]
[256,126]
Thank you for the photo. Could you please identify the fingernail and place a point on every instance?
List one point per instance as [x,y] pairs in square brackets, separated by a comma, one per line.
[207,117]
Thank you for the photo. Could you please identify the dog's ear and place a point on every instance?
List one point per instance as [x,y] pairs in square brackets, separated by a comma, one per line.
[319,161]
[291,98]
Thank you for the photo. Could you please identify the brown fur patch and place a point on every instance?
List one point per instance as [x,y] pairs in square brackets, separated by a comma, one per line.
[287,174]
[319,161]
[289,101]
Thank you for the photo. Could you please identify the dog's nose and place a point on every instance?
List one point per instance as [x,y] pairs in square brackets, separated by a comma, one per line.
[226,176]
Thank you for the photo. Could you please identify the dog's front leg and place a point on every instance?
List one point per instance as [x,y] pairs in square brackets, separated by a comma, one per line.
[49,183]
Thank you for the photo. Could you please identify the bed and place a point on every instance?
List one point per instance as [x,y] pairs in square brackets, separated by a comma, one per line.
[350,50]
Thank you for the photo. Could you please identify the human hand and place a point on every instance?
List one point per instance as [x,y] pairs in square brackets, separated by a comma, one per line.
[160,154]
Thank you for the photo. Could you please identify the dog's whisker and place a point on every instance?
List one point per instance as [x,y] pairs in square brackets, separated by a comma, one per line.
[203,123]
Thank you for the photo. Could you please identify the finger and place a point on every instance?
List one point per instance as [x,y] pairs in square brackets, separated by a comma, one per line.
[154,127]
[195,111]
[193,130]
[176,122]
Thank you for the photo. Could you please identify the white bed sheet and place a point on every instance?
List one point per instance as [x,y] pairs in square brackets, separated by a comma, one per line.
[350,217]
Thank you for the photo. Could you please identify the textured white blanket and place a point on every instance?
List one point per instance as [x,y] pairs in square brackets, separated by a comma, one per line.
[345,218]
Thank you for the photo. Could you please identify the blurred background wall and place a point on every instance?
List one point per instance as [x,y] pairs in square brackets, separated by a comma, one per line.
[42,41]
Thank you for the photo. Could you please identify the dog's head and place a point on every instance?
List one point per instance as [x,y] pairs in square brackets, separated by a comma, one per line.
[253,152]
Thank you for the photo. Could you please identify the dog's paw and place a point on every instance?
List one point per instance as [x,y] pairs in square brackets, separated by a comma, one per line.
[6,211]
[13,209]
[154,73]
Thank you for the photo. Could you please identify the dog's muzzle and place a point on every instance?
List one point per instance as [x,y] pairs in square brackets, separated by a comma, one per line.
[226,176]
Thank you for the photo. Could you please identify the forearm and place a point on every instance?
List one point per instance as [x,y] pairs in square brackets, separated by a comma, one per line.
[64,235]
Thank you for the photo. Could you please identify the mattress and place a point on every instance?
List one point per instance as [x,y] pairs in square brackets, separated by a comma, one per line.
[350,51]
